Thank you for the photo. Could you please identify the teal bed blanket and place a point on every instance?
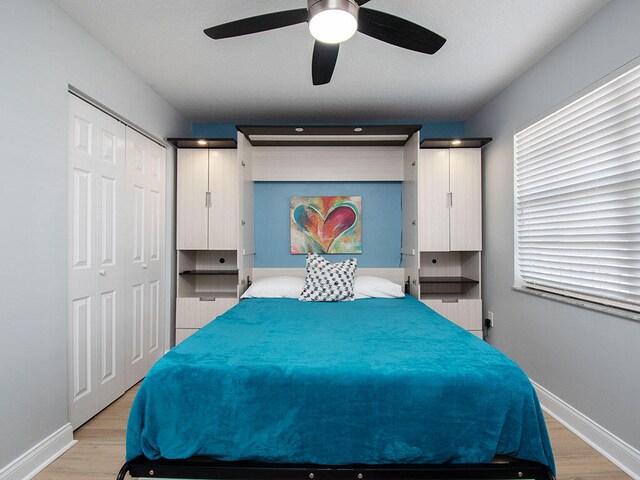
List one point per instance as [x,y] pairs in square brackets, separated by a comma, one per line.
[374,381]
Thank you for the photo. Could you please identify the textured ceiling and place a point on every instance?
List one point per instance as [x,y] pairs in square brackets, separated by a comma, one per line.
[267,76]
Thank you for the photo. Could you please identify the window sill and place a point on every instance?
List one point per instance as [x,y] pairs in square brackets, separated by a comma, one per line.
[618,312]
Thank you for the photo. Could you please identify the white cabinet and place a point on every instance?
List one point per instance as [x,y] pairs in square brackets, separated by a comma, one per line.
[450,231]
[115,273]
[192,213]
[207,199]
[207,237]
[466,313]
[450,200]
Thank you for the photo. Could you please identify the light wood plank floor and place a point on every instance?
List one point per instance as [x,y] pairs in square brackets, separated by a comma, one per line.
[100,450]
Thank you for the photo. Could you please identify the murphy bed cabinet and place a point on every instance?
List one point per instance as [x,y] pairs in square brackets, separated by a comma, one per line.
[207,230]
[441,209]
[450,229]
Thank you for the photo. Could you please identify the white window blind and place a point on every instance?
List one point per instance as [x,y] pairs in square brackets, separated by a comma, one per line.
[577,199]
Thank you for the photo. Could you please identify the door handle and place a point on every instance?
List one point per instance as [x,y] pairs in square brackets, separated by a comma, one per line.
[450,199]
[207,199]
[103,272]
[144,266]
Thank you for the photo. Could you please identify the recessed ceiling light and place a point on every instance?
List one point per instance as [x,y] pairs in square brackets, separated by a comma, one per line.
[456,142]
[202,142]
[357,129]
[299,129]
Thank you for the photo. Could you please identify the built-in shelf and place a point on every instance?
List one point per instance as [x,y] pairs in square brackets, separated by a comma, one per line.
[455,142]
[328,136]
[209,272]
[203,142]
[446,285]
[447,280]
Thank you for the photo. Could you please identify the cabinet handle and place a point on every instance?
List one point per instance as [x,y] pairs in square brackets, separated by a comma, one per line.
[450,199]
[209,299]
[207,199]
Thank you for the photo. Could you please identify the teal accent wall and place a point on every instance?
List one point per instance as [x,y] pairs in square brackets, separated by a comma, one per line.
[381,221]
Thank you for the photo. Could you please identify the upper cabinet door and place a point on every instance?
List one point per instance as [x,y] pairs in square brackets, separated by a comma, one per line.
[466,202]
[192,212]
[224,188]
[433,208]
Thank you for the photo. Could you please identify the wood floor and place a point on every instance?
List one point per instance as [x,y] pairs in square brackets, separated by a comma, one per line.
[100,450]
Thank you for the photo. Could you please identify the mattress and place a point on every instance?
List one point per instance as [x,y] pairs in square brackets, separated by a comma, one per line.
[373,381]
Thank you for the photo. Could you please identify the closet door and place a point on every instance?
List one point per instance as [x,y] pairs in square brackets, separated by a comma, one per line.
[154,344]
[110,259]
[223,211]
[96,269]
[466,206]
[191,199]
[144,276]
[434,200]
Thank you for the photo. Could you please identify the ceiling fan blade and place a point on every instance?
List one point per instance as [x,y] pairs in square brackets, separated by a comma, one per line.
[325,56]
[362,2]
[398,31]
[261,23]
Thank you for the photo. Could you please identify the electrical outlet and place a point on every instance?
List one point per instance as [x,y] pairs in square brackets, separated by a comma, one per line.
[490,318]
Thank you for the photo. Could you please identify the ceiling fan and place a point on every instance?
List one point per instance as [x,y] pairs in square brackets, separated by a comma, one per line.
[332,22]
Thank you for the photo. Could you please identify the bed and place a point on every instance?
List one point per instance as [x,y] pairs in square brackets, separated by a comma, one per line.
[382,388]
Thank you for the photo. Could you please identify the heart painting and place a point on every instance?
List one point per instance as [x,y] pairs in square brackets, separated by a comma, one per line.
[326,225]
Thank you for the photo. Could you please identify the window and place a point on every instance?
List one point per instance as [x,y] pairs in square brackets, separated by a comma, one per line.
[577,197]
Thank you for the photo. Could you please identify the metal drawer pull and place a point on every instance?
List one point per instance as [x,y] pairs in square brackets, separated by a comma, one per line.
[203,299]
[450,300]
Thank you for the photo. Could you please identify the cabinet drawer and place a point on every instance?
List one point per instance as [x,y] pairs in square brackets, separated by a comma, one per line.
[466,313]
[183,333]
[196,313]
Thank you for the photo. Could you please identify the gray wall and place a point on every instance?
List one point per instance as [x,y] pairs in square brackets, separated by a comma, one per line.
[42,51]
[590,360]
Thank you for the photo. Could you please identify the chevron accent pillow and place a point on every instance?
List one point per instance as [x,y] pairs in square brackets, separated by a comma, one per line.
[328,282]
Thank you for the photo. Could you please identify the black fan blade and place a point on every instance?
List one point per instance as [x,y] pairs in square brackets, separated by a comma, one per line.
[261,23]
[324,62]
[362,2]
[398,31]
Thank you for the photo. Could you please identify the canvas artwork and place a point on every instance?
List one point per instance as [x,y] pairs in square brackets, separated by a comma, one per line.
[326,225]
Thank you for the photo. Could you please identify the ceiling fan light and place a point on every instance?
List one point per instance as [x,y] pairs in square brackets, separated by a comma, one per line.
[333,21]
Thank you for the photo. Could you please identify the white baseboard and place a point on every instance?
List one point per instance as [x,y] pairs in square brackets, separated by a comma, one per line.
[623,455]
[34,460]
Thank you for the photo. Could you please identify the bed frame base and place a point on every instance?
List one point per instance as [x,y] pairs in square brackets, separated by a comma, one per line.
[206,469]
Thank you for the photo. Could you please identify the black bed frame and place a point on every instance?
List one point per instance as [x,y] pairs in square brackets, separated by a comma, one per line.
[206,469]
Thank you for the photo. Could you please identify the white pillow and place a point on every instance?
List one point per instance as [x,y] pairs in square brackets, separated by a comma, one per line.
[376,287]
[275,287]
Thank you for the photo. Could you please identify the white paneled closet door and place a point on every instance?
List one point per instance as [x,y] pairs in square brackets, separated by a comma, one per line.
[144,255]
[96,269]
